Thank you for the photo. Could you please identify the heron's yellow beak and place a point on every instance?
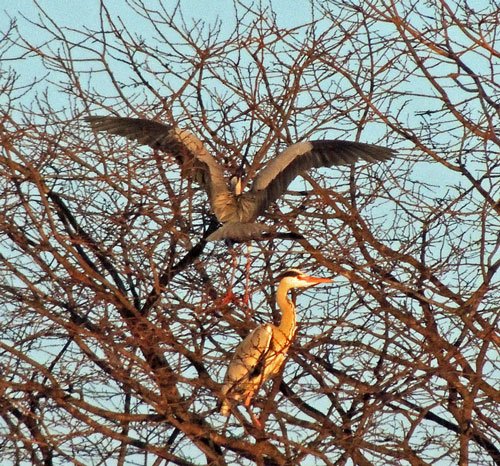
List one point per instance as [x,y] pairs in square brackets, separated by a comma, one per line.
[317,280]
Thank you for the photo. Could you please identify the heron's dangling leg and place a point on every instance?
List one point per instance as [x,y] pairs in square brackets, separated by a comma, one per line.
[255,420]
[229,296]
[246,297]
[248,399]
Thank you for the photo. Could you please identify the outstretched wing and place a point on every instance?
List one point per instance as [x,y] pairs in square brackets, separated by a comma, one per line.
[273,180]
[246,371]
[189,152]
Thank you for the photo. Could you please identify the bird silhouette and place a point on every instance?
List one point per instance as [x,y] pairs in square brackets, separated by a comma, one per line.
[238,211]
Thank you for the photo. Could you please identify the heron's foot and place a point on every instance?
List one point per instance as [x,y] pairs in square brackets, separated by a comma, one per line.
[246,296]
[257,423]
[228,298]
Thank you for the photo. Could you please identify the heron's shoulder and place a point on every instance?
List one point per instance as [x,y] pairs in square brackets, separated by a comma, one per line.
[259,338]
[189,140]
[264,331]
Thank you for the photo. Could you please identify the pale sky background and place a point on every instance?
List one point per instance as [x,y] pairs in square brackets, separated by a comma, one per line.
[76,13]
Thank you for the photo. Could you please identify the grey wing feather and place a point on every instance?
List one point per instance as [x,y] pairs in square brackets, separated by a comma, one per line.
[187,149]
[273,180]
[147,132]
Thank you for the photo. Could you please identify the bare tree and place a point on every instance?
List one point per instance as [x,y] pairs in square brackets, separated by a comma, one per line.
[118,319]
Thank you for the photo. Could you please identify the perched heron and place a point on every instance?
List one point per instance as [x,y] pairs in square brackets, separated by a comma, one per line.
[262,353]
[237,211]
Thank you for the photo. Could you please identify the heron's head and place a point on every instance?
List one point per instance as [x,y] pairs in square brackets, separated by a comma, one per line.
[295,278]
[237,181]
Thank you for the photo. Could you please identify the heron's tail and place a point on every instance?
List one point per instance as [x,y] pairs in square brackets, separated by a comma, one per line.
[239,232]
[242,232]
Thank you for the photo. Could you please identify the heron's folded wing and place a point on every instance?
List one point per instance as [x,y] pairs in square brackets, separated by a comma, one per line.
[249,358]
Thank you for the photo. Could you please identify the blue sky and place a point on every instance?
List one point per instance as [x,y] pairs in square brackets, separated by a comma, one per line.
[74,13]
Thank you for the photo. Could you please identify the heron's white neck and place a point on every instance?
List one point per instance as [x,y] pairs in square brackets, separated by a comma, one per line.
[288,322]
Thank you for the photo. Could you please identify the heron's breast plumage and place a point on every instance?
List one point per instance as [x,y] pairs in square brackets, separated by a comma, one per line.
[247,207]
[225,207]
[229,208]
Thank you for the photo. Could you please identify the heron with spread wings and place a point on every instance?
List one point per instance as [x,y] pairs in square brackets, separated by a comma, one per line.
[261,355]
[235,210]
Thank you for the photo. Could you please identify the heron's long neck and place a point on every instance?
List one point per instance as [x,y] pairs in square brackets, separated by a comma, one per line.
[288,316]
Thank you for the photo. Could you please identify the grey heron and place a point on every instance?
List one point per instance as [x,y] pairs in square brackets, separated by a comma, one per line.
[261,355]
[237,211]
